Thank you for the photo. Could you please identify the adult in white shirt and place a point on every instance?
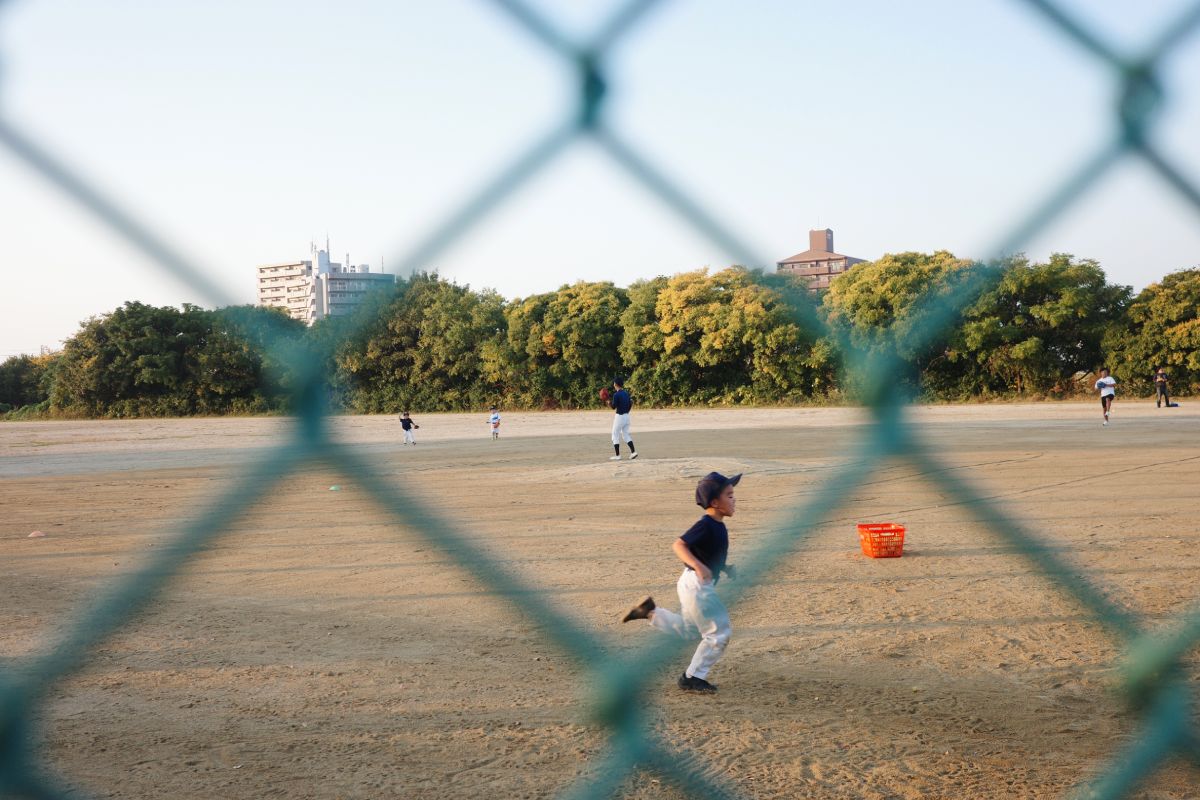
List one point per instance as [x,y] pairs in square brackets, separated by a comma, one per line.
[1108,390]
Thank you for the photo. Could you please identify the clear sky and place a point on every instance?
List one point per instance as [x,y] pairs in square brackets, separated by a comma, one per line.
[242,130]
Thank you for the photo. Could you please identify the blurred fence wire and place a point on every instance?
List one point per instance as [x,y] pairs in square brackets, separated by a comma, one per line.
[1153,681]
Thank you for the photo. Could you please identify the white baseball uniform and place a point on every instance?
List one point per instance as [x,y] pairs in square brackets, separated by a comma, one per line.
[701,614]
[620,431]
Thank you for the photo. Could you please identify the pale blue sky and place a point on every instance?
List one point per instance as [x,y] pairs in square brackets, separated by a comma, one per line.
[243,130]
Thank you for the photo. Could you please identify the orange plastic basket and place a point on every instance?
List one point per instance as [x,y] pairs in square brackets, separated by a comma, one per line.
[881,539]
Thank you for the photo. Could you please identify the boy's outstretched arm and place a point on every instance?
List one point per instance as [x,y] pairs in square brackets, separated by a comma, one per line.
[685,555]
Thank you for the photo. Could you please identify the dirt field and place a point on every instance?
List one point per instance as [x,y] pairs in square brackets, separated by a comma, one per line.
[319,649]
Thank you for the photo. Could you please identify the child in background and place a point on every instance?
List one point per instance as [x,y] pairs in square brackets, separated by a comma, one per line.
[1107,386]
[408,425]
[1162,395]
[494,422]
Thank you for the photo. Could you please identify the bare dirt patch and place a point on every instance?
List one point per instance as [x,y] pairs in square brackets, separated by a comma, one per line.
[320,649]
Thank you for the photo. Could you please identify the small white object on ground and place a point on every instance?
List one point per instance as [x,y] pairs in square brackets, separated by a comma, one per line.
[35,535]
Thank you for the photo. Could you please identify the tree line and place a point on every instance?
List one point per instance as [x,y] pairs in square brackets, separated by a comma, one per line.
[733,336]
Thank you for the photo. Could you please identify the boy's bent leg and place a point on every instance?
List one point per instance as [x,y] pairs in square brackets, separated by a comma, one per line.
[670,622]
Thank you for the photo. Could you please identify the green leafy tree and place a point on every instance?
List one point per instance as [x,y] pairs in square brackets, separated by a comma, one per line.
[875,308]
[1030,332]
[266,341]
[561,347]
[643,344]
[1160,329]
[143,360]
[124,363]
[724,337]
[25,380]
[423,349]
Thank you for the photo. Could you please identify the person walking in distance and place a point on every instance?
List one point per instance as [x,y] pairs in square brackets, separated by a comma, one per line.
[1108,390]
[703,549]
[1162,394]
[494,422]
[621,405]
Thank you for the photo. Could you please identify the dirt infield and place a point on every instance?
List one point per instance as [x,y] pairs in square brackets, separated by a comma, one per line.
[321,650]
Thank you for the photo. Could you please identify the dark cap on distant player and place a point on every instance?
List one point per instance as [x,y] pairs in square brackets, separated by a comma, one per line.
[711,485]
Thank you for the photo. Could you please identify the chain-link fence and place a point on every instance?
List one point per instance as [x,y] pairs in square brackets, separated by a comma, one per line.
[1152,679]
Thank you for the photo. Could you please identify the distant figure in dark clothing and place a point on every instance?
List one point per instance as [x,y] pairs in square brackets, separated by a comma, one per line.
[406,422]
[1162,395]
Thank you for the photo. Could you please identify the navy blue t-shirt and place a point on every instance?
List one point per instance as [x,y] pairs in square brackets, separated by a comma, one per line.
[709,542]
[621,402]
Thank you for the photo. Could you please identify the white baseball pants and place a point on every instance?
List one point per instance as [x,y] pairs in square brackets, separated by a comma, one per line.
[701,614]
[621,428]
[408,438]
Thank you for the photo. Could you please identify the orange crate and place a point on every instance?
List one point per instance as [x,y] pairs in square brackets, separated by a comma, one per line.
[881,539]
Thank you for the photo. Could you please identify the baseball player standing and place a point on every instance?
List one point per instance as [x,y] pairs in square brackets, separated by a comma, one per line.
[407,423]
[621,404]
[703,549]
[494,422]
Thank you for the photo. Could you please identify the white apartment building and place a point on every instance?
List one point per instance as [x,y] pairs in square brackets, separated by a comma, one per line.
[319,288]
[288,286]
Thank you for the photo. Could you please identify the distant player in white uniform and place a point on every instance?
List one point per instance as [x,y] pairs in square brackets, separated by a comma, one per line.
[704,550]
[494,423]
[621,405]
[1108,390]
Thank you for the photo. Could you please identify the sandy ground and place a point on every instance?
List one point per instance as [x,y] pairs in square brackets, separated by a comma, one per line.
[320,649]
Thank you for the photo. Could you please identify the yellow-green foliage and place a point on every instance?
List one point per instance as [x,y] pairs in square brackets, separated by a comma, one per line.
[730,336]
[1161,329]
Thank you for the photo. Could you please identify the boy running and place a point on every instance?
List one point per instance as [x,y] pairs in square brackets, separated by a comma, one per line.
[703,550]
[1107,386]
[621,404]
[407,423]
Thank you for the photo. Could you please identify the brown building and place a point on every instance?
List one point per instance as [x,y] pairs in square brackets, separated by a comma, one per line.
[819,264]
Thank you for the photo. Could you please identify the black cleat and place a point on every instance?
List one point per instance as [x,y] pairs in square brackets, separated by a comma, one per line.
[695,684]
[641,610]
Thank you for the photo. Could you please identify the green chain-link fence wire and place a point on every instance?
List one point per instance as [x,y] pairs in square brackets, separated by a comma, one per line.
[1152,677]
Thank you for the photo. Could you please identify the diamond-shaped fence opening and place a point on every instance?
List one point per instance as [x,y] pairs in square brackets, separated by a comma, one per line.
[1152,675]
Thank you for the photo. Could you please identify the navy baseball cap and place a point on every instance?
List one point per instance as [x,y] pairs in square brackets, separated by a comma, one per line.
[711,485]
